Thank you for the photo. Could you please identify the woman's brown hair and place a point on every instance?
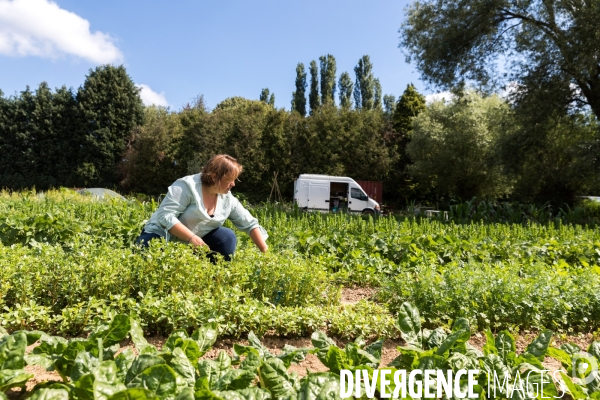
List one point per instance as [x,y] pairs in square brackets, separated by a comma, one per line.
[219,167]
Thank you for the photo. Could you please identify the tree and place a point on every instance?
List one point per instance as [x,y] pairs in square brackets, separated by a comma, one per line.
[266,98]
[455,146]
[389,102]
[346,87]
[313,97]
[364,89]
[299,96]
[111,105]
[551,47]
[328,71]
[377,95]
[409,105]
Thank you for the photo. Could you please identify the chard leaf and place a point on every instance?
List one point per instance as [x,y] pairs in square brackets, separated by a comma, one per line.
[234,379]
[594,349]
[206,394]
[186,394]
[42,360]
[494,363]
[84,387]
[409,322]
[436,338]
[124,362]
[456,339]
[505,344]
[540,345]
[292,354]
[321,341]
[11,378]
[49,394]
[134,394]
[570,348]
[182,366]
[335,359]
[143,362]
[461,324]
[321,385]
[160,379]
[116,331]
[137,336]
[275,380]
[253,361]
[206,336]
[83,364]
[375,349]
[12,351]
[252,393]
[490,346]
[174,337]
[560,355]
[573,388]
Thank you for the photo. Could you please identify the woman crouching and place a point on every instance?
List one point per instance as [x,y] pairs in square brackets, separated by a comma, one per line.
[196,206]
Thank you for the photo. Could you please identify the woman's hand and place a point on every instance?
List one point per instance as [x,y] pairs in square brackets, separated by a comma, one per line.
[258,240]
[181,231]
[197,241]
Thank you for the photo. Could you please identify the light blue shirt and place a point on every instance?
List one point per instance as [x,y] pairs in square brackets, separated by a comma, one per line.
[183,203]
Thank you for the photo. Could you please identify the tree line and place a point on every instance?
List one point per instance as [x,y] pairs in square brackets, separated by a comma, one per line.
[474,145]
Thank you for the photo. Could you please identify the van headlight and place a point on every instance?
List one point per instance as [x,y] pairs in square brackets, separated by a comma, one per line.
[377,207]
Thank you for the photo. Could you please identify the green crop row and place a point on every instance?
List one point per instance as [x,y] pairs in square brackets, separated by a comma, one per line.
[98,368]
[62,252]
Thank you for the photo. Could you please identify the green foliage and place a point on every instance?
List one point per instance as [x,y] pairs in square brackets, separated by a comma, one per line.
[265,98]
[154,150]
[364,88]
[551,160]
[548,47]
[328,71]
[299,95]
[409,105]
[389,101]
[314,101]
[111,106]
[346,87]
[453,146]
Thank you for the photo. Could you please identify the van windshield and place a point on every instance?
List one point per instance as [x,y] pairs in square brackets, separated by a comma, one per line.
[358,194]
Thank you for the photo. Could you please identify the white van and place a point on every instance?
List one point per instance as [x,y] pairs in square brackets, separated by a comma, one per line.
[332,193]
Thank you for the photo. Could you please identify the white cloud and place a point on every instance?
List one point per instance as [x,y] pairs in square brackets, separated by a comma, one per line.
[430,98]
[41,28]
[150,97]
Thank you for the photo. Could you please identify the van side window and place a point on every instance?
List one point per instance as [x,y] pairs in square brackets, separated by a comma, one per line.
[358,194]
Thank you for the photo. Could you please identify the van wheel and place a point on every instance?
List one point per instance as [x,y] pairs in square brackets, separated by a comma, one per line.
[368,212]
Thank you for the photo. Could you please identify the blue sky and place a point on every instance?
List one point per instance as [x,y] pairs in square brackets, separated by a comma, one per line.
[179,50]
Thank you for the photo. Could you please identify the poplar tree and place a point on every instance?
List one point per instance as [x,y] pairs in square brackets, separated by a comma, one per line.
[377,95]
[328,72]
[267,97]
[313,97]
[389,101]
[364,89]
[346,87]
[264,95]
[299,96]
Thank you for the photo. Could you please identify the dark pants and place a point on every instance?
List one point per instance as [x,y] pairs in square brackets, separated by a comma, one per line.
[220,240]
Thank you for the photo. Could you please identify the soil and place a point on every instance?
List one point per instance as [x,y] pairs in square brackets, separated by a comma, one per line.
[354,295]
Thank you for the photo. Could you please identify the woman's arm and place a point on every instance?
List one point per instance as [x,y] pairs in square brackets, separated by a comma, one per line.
[258,240]
[182,232]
